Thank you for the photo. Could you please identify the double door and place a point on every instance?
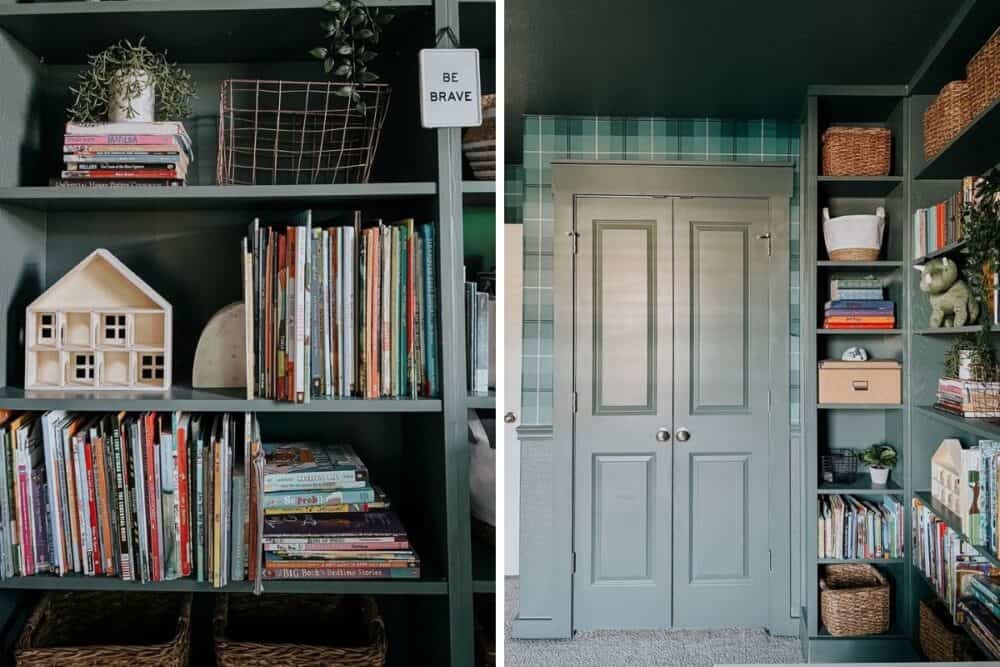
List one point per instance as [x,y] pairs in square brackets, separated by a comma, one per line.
[671,436]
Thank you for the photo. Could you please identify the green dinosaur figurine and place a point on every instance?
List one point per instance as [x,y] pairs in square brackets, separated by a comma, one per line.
[952,303]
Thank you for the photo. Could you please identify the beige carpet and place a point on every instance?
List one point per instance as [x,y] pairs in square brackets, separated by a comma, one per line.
[606,648]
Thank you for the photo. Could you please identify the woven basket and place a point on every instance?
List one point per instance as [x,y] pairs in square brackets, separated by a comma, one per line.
[945,118]
[107,629]
[302,630]
[983,72]
[940,639]
[856,151]
[854,600]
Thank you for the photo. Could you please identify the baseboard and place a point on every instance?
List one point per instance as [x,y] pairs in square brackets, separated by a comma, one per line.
[539,628]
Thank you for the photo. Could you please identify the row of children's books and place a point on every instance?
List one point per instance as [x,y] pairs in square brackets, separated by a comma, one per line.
[979,611]
[480,329]
[147,497]
[940,225]
[345,311]
[853,527]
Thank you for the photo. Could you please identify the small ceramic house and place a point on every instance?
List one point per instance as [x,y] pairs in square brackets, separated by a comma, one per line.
[99,327]
[950,484]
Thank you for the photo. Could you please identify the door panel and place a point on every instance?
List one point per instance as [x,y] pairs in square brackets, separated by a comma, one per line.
[721,386]
[623,372]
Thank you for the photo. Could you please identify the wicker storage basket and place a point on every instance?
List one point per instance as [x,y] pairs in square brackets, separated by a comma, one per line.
[940,639]
[983,73]
[854,238]
[108,629]
[857,151]
[302,630]
[945,118]
[854,600]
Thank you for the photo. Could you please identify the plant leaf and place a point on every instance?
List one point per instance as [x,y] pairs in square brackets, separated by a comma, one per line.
[328,65]
[345,49]
[365,33]
[368,56]
[385,19]
[345,91]
[368,77]
[319,53]
[333,6]
[343,70]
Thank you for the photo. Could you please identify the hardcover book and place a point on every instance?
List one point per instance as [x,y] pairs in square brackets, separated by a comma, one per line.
[311,466]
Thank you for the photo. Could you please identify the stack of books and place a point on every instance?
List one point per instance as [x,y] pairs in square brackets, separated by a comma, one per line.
[979,612]
[325,520]
[128,153]
[144,497]
[347,311]
[857,303]
[940,225]
[968,399]
[480,328]
[852,527]
[947,559]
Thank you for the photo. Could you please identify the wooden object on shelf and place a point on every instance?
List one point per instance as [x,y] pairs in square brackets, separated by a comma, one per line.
[983,72]
[98,327]
[855,238]
[117,629]
[946,117]
[949,479]
[854,600]
[480,143]
[281,629]
[857,151]
[220,358]
[867,382]
[940,639]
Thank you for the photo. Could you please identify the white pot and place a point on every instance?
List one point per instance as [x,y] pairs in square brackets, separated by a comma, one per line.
[143,107]
[965,364]
[879,475]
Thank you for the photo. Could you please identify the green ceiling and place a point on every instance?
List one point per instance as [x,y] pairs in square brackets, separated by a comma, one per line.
[728,58]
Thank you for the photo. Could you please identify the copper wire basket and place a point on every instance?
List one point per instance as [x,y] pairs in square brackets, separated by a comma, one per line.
[983,392]
[297,132]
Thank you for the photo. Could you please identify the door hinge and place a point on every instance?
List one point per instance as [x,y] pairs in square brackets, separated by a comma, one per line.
[572,239]
[769,401]
[766,237]
[770,562]
[574,562]
[573,402]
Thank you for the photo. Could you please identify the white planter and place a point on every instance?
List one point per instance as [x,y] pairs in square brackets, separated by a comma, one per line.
[965,364]
[143,107]
[880,476]
[847,233]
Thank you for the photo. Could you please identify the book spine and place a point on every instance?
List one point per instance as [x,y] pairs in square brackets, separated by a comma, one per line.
[92,512]
[124,548]
[183,500]
[81,141]
[140,174]
[342,573]
[348,479]
[152,497]
[310,498]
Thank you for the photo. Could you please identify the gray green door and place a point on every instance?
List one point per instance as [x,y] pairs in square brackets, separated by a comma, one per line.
[671,433]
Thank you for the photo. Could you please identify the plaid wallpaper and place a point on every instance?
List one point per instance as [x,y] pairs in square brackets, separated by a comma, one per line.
[548,138]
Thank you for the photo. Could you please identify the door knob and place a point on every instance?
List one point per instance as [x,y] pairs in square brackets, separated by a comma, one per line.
[683,435]
[663,435]
[509,418]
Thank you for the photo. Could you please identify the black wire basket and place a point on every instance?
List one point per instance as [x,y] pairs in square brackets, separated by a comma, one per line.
[298,132]
[839,466]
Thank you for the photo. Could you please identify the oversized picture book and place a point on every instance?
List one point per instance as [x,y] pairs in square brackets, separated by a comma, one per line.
[311,466]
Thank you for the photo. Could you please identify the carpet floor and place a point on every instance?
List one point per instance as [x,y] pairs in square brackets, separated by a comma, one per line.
[604,648]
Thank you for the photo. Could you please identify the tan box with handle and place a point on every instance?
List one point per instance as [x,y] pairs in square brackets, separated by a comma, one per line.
[877,381]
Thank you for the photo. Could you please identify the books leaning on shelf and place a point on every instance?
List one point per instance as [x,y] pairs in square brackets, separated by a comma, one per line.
[967,398]
[948,561]
[982,622]
[325,520]
[141,496]
[347,311]
[480,316]
[852,527]
[940,225]
[128,153]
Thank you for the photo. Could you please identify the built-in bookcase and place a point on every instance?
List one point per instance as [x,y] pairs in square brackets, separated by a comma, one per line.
[185,243]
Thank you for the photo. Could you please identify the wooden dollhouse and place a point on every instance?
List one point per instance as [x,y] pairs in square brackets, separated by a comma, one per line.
[98,327]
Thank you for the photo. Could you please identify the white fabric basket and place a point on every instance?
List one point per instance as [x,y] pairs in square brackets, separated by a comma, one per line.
[853,232]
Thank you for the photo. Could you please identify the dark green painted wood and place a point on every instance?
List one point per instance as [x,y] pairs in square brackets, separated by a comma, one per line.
[85,583]
[980,427]
[477,402]
[967,30]
[887,264]
[862,485]
[858,332]
[858,186]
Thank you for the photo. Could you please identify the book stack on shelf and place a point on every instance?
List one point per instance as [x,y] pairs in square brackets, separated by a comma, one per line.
[946,559]
[127,153]
[325,520]
[979,612]
[144,497]
[941,225]
[851,527]
[348,311]
[967,398]
[857,303]
[480,325]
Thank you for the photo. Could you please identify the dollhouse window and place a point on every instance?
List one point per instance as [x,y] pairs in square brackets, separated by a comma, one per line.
[114,329]
[151,367]
[83,366]
[47,328]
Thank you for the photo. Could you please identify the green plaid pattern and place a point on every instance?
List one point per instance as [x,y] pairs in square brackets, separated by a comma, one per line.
[528,197]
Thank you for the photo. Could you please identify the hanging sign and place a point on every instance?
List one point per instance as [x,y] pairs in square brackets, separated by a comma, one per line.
[449,88]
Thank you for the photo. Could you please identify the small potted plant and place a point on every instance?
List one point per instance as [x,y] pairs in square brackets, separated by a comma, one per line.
[128,82]
[880,457]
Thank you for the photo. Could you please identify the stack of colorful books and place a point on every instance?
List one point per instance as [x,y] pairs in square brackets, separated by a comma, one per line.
[968,399]
[129,153]
[980,612]
[858,303]
[323,519]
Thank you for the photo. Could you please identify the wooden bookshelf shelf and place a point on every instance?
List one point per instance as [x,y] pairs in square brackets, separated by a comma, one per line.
[953,331]
[861,486]
[858,186]
[858,332]
[947,250]
[965,154]
[198,400]
[481,402]
[954,522]
[857,406]
[984,428]
[209,196]
[861,266]
[483,566]
[869,561]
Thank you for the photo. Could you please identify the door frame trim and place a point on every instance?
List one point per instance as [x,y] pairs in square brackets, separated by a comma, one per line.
[573,178]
